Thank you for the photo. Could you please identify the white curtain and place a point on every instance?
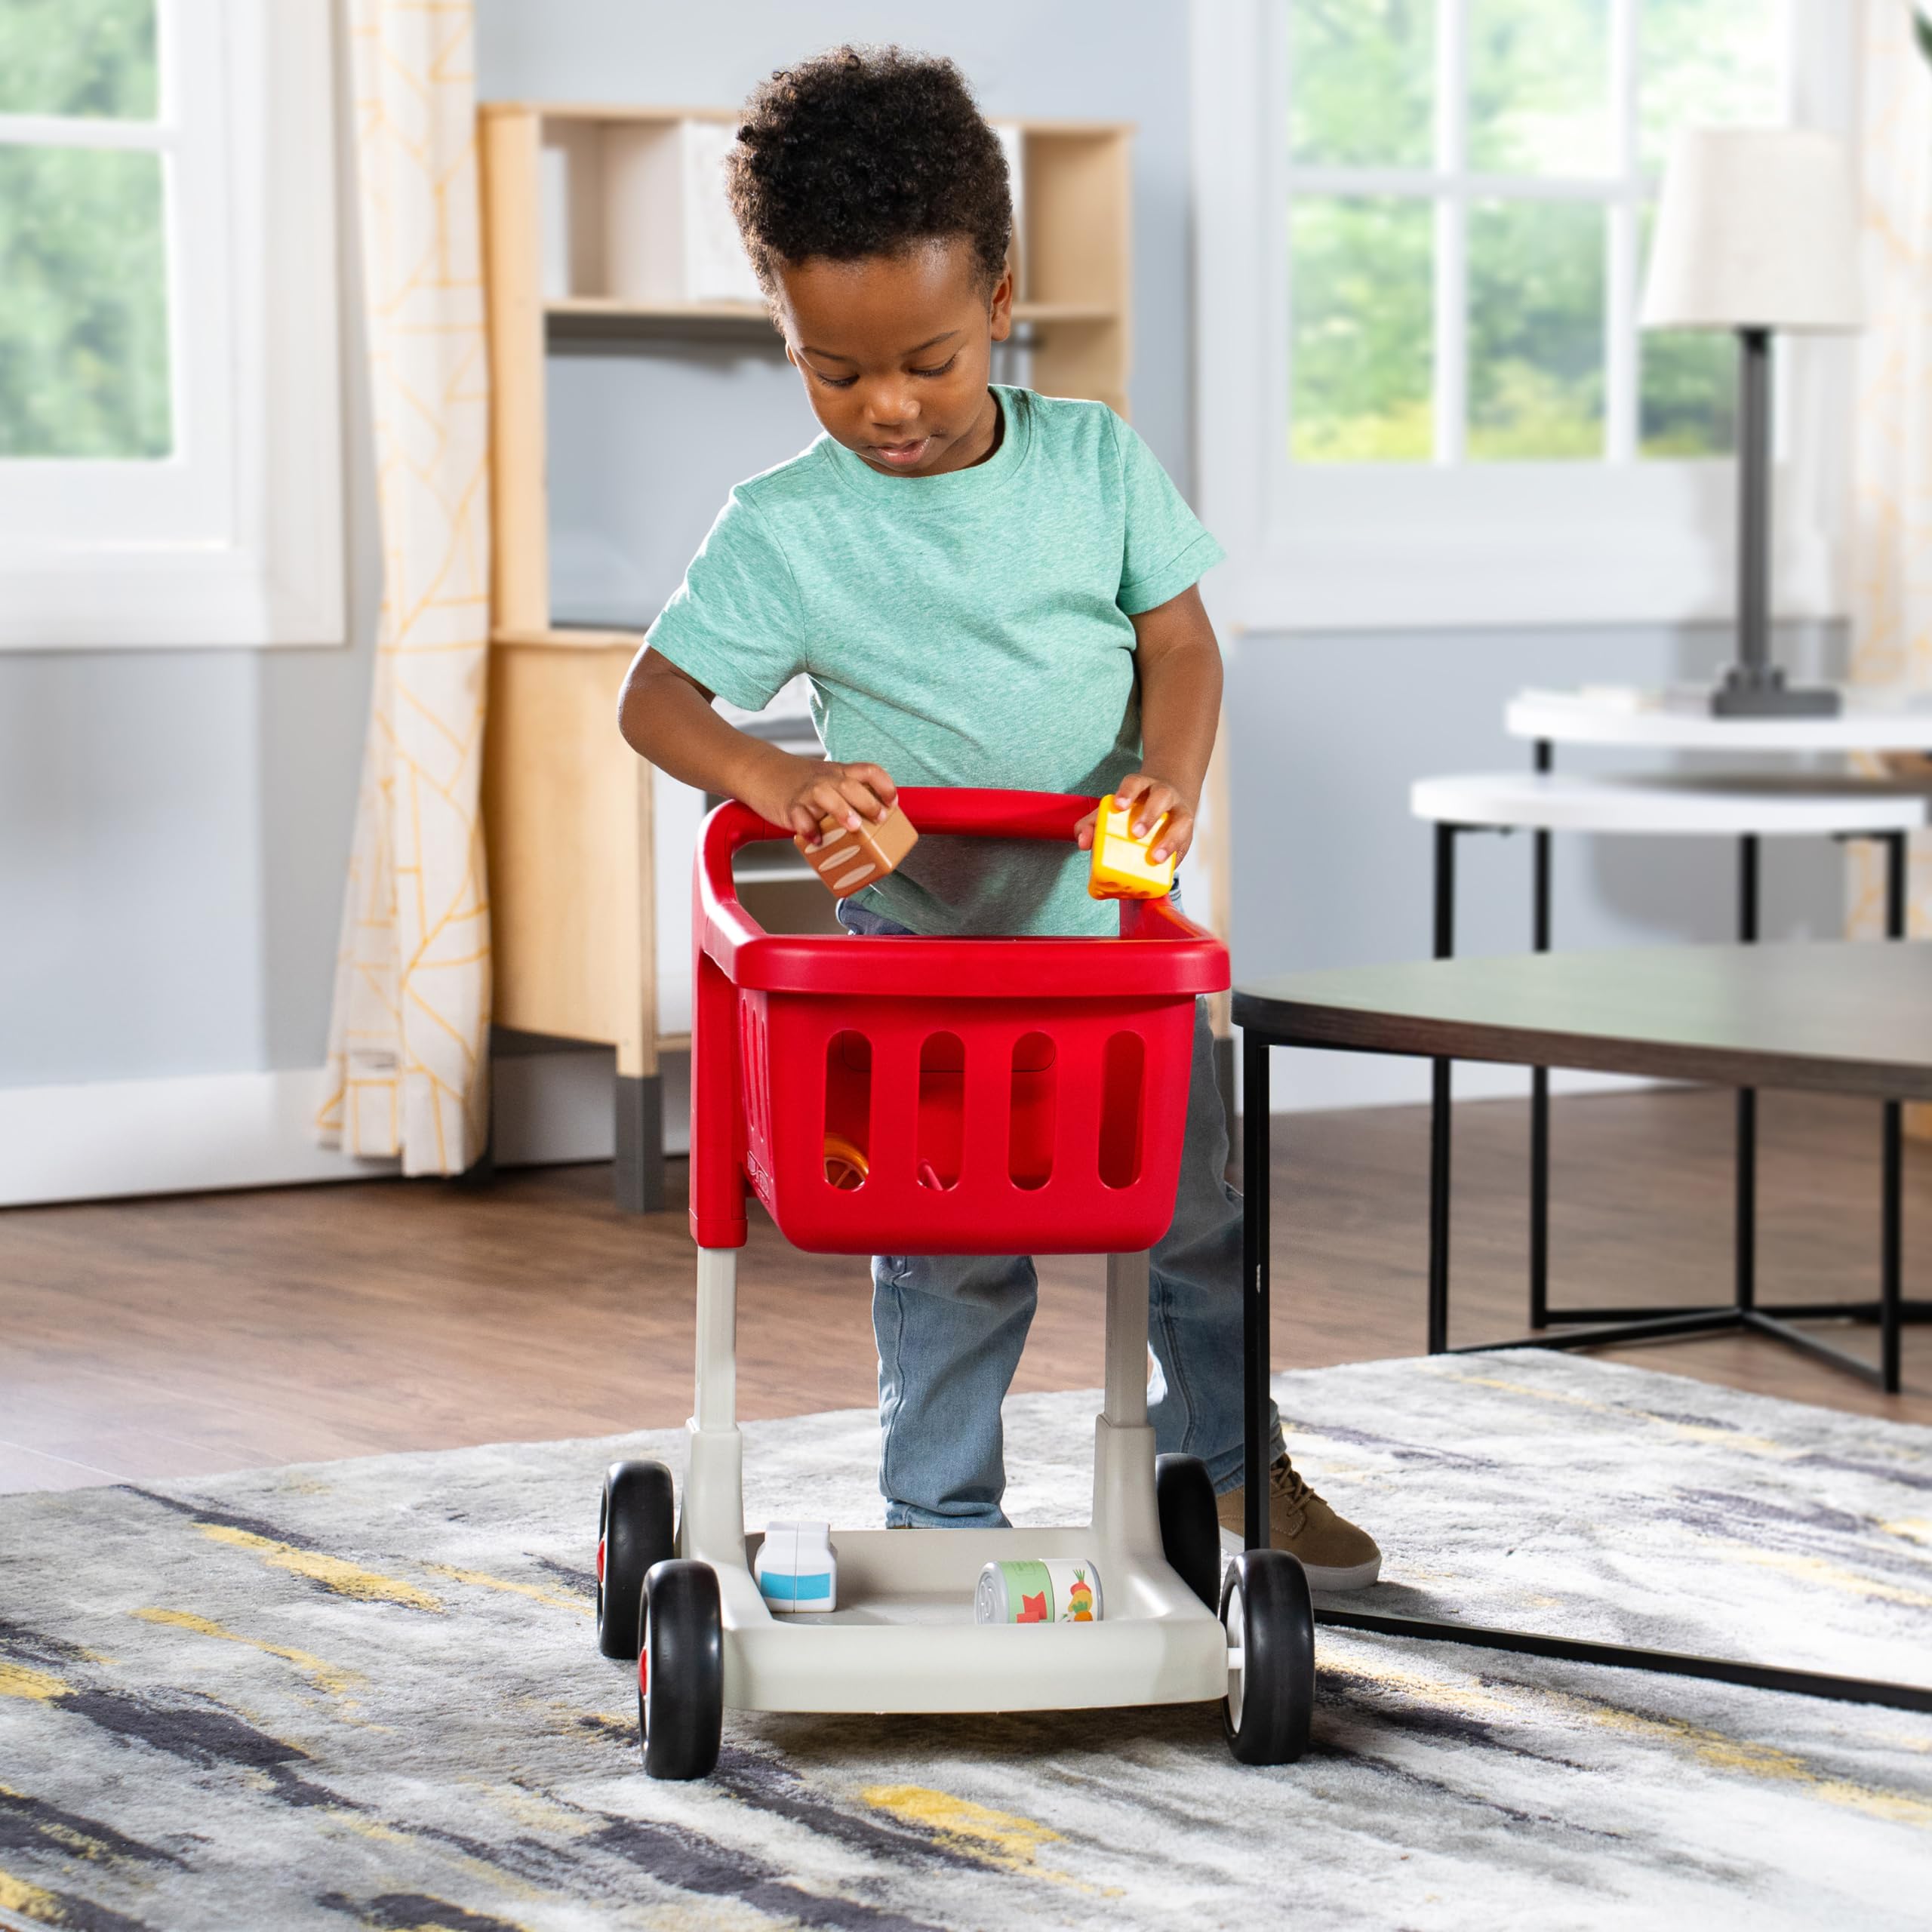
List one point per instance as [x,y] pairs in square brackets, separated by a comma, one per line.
[1891,639]
[408,1068]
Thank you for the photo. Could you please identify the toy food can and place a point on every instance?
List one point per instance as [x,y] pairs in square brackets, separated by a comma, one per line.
[1049,1590]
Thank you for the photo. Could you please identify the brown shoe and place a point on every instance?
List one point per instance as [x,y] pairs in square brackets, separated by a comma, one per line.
[1336,1555]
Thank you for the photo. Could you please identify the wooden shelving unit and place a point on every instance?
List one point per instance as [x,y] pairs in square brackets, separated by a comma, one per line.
[589,848]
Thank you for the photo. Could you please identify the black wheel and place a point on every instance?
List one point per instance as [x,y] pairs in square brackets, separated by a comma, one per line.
[1269,1620]
[636,1527]
[1190,1529]
[680,1675]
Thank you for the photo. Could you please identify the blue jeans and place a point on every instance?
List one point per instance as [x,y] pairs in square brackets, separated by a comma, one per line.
[950,1329]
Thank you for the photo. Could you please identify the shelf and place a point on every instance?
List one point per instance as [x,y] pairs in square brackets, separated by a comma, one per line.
[600,220]
[1050,128]
[1064,311]
[572,110]
[563,306]
[588,314]
[566,637]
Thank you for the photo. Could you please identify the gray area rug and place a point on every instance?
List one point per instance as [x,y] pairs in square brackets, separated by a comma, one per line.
[366,1693]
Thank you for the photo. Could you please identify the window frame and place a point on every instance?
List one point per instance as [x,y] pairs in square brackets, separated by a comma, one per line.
[235,538]
[1450,543]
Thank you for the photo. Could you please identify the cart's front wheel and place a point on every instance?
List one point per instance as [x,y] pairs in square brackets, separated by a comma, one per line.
[1270,1627]
[636,1527]
[681,1671]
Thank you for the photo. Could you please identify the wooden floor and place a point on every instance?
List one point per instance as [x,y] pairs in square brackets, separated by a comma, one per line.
[181,1337]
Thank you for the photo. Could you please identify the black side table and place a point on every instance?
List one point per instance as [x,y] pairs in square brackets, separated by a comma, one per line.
[1750,807]
[1840,1018]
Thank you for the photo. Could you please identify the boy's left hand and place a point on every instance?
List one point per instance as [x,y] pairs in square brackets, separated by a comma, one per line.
[1150,797]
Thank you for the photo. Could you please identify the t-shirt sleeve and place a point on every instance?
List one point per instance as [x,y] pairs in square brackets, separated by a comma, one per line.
[733,623]
[1166,548]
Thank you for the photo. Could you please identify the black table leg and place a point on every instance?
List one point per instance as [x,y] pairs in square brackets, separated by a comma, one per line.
[1892,1239]
[1539,1088]
[1746,1236]
[1254,1329]
[1439,1099]
[638,1174]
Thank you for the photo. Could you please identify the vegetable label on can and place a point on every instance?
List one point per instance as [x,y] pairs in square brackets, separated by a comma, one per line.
[1035,1590]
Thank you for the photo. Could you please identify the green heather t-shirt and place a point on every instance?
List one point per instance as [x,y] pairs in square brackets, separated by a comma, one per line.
[969,629]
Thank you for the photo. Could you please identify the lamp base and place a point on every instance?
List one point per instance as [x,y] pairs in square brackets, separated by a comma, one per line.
[1753,691]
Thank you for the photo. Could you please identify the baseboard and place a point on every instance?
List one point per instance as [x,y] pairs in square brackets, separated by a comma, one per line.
[101,1139]
[196,1134]
[182,1136]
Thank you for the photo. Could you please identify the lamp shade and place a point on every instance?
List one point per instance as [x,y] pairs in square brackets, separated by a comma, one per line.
[1756,229]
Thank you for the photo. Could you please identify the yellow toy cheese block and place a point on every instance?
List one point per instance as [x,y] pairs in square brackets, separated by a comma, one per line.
[1121,868]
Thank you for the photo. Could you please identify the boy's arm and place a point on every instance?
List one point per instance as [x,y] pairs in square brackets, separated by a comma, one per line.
[665,716]
[1179,664]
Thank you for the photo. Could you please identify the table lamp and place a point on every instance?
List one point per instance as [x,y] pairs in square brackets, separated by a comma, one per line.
[1756,231]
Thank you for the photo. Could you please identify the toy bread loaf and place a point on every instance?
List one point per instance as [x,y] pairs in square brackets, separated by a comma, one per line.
[847,861]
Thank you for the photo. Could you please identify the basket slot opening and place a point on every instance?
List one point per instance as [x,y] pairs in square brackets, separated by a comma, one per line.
[848,1110]
[1123,1070]
[1030,1147]
[942,1110]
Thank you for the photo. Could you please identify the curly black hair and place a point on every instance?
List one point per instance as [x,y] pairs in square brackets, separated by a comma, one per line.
[867,151]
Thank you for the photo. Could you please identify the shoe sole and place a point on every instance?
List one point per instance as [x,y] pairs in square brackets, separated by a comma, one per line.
[1321,1575]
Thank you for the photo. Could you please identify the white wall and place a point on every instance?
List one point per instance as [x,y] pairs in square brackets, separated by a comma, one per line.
[174,826]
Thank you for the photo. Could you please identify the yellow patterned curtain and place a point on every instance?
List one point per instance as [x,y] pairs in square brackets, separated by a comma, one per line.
[1891,640]
[408,1071]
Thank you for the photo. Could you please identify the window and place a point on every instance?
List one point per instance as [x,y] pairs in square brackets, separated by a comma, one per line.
[1422,225]
[170,469]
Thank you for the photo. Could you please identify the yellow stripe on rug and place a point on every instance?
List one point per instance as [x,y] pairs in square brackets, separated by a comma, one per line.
[333,1573]
[332,1677]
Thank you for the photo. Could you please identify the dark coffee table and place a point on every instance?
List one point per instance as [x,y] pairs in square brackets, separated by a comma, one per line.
[1837,1018]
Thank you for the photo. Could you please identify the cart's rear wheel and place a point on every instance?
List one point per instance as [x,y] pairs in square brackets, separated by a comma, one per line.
[636,1527]
[680,1671]
[1190,1529]
[1270,1624]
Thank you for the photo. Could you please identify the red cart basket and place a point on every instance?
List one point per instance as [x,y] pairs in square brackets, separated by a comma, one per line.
[975,1096]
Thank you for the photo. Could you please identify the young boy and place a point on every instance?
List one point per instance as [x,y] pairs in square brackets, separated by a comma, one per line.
[984,587]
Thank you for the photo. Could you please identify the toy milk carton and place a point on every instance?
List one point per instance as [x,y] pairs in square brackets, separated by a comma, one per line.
[797,1568]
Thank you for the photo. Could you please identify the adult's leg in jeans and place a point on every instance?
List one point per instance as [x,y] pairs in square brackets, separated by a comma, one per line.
[950,1329]
[1194,1308]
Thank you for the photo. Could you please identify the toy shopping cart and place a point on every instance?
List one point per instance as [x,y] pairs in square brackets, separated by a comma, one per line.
[927,1096]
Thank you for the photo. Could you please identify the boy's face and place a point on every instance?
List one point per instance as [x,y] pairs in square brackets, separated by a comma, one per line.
[895,351]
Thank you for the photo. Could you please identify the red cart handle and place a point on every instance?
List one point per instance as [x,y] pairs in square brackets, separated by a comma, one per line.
[1190,959]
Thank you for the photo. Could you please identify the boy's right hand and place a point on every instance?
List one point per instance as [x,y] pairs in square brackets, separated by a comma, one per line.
[815,789]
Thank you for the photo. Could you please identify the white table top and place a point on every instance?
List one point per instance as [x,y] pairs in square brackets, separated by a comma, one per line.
[1770,805]
[1875,719]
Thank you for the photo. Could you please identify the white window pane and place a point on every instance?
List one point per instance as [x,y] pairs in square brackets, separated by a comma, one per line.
[1539,87]
[1689,394]
[1687,399]
[83,304]
[1536,330]
[1707,63]
[1362,73]
[1361,351]
[90,57]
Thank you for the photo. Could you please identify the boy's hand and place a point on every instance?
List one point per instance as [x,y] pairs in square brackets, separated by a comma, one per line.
[1150,797]
[814,789]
